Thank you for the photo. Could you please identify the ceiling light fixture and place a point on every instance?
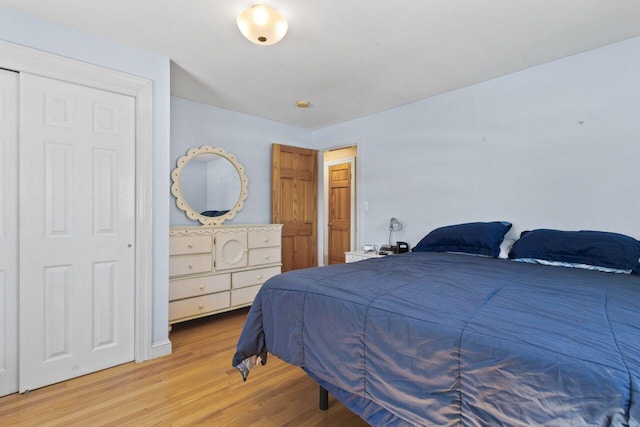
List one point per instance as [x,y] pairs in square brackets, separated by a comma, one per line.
[302,103]
[262,25]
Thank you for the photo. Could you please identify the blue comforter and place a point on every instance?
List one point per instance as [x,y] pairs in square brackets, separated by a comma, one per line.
[450,339]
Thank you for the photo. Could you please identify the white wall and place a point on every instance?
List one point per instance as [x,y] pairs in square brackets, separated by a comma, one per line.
[247,137]
[554,146]
[29,31]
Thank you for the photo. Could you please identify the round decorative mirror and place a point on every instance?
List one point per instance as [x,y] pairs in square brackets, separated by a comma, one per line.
[209,185]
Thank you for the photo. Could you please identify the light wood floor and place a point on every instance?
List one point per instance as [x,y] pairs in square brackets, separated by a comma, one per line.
[196,385]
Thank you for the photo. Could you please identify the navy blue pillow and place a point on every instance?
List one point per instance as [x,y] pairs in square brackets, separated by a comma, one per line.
[582,248]
[478,238]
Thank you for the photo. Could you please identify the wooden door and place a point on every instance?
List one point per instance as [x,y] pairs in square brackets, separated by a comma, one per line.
[339,212]
[8,232]
[77,230]
[294,204]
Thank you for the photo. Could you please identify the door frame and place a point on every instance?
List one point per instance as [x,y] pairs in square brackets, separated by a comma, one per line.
[20,58]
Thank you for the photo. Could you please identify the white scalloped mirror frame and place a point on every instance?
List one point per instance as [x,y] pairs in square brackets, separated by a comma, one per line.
[177,191]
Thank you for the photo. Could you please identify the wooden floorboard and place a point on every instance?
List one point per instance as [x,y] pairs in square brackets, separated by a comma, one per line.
[195,385]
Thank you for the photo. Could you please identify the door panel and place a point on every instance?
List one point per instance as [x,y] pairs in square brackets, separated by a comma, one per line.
[8,232]
[77,156]
[294,204]
[339,212]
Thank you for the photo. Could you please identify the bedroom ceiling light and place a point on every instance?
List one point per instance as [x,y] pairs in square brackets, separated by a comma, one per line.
[262,25]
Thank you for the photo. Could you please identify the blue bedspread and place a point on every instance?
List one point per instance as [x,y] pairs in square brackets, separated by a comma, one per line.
[450,339]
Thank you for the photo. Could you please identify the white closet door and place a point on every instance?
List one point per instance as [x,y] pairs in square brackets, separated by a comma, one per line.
[8,232]
[77,217]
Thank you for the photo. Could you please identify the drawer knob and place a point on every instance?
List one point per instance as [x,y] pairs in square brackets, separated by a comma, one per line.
[201,306]
[190,265]
[266,257]
[201,287]
[190,245]
[259,277]
[266,239]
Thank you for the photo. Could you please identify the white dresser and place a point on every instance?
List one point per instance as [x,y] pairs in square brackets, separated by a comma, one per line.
[219,268]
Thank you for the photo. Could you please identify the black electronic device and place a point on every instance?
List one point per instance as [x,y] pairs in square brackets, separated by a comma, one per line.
[388,250]
[398,248]
[402,247]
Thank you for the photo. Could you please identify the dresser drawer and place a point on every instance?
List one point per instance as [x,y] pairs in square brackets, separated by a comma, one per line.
[244,296]
[186,288]
[264,255]
[190,264]
[352,258]
[263,239]
[198,305]
[243,279]
[190,245]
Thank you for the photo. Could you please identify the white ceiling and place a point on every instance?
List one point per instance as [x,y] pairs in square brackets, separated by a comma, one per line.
[348,58]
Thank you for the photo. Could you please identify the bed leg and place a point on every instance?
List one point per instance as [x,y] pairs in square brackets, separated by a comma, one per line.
[324,399]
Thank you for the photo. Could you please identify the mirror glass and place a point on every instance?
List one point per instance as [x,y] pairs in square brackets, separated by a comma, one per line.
[209,185]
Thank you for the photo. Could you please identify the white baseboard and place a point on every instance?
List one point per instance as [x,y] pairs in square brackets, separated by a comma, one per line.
[159,349]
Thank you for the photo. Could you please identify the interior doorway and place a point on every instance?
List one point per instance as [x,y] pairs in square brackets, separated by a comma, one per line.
[339,185]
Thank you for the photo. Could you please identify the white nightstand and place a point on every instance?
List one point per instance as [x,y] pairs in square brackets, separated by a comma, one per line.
[360,255]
